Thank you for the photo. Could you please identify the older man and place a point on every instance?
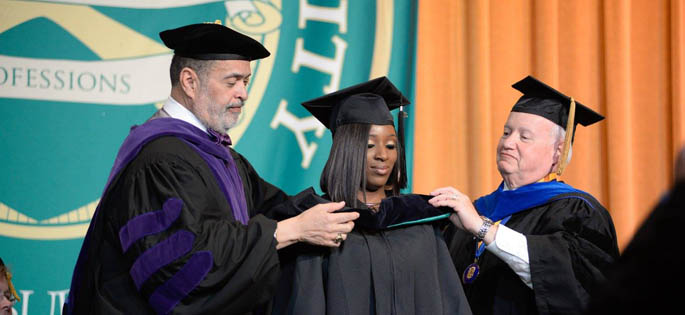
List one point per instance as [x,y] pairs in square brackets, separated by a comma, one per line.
[179,227]
[535,245]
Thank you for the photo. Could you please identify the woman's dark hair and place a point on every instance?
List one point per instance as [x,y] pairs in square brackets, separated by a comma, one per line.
[344,173]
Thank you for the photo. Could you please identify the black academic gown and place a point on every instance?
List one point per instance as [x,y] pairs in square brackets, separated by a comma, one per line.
[244,266]
[571,243]
[402,270]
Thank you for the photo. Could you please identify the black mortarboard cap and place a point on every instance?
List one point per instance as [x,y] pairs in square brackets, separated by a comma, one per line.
[212,41]
[365,103]
[542,100]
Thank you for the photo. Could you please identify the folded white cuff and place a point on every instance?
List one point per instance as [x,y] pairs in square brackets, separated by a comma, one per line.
[512,247]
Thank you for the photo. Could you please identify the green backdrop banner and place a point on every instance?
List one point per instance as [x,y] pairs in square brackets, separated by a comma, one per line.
[75,75]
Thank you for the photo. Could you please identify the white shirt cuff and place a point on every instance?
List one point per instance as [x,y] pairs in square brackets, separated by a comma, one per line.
[512,247]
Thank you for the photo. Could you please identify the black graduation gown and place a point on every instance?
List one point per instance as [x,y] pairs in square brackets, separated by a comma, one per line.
[571,242]
[649,274]
[402,270]
[244,267]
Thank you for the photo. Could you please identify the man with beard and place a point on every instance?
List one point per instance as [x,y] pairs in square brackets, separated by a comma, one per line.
[180,226]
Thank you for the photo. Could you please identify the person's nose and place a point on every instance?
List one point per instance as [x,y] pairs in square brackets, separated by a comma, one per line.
[242,91]
[381,154]
[509,142]
[4,302]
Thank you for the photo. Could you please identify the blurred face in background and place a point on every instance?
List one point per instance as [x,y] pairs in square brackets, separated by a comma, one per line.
[6,298]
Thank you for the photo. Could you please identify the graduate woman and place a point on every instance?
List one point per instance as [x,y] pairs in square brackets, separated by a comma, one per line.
[380,268]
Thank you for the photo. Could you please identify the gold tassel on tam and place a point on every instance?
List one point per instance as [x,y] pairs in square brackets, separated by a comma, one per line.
[563,159]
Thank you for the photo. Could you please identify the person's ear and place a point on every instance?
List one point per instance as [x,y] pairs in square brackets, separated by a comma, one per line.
[558,148]
[189,81]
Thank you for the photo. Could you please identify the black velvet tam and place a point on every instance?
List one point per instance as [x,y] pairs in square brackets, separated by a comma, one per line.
[209,41]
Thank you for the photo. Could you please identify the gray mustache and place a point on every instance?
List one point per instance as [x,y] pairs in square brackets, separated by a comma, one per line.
[237,104]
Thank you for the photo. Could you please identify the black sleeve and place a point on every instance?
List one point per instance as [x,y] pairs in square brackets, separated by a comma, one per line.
[570,253]
[261,196]
[185,251]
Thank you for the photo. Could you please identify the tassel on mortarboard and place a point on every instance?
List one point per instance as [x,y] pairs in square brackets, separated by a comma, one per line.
[563,159]
[401,116]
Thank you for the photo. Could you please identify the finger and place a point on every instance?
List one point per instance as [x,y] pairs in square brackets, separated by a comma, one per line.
[445,203]
[444,190]
[339,238]
[328,207]
[442,197]
[329,244]
[333,239]
[456,196]
[448,197]
[454,218]
[437,191]
[345,227]
[438,203]
[341,217]
[333,206]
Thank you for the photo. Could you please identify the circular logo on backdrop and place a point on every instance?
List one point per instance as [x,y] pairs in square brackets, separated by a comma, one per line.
[94,70]
[129,61]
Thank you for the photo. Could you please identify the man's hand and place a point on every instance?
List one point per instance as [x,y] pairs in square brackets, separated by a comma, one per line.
[317,225]
[465,216]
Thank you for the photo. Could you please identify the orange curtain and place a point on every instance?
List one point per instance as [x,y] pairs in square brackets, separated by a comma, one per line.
[624,59]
